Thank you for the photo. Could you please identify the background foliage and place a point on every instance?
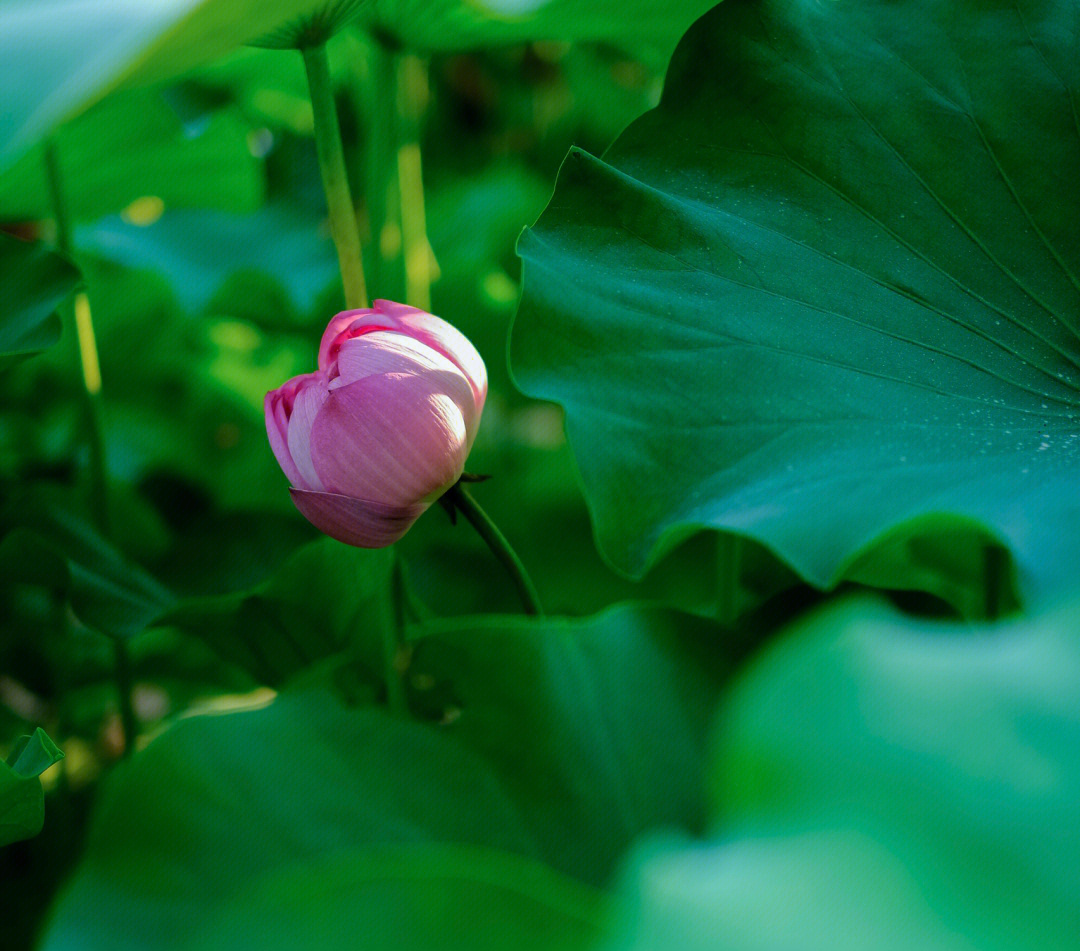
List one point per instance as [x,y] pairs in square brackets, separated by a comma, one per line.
[810,320]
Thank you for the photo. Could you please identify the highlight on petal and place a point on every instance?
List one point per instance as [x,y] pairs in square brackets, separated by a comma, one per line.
[394,438]
[356,521]
[443,337]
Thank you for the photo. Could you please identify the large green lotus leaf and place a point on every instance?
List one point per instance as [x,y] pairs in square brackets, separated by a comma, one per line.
[33,283]
[131,145]
[883,782]
[451,898]
[828,287]
[595,724]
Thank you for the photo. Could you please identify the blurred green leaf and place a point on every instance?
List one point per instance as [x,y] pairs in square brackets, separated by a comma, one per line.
[451,898]
[218,802]
[826,289]
[594,724]
[22,800]
[32,755]
[323,599]
[134,146]
[56,549]
[66,54]
[882,782]
[653,28]
[34,281]
[556,740]
[198,250]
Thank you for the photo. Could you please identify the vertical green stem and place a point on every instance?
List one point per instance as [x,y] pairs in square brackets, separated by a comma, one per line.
[335,180]
[394,646]
[124,687]
[381,195]
[86,356]
[459,497]
[85,346]
[412,101]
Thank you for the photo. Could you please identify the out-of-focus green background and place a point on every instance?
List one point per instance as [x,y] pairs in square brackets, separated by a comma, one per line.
[800,508]
[198,223]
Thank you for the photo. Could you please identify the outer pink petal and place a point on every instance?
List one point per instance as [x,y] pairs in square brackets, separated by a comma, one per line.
[354,521]
[441,336]
[308,402]
[277,406]
[387,352]
[393,438]
[347,324]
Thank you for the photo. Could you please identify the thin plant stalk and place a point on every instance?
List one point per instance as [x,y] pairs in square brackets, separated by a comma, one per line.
[90,392]
[381,195]
[395,648]
[86,353]
[412,88]
[331,155]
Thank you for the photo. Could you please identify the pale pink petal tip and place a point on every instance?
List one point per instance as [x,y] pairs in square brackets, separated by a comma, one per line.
[356,522]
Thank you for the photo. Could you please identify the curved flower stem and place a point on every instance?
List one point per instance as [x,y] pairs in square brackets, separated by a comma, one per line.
[335,180]
[458,496]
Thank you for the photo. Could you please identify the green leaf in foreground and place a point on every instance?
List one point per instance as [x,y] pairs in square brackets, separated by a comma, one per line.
[591,734]
[881,782]
[595,724]
[22,800]
[34,281]
[827,288]
[451,898]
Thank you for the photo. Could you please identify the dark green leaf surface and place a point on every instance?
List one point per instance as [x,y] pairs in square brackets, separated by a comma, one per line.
[595,724]
[62,552]
[881,782]
[827,288]
[324,598]
[22,801]
[33,283]
[199,250]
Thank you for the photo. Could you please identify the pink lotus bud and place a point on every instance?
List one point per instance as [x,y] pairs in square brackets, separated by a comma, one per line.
[383,427]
